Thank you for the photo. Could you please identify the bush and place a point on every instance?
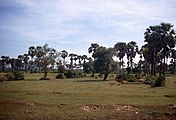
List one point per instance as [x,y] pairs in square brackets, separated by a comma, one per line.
[9,76]
[120,77]
[150,79]
[73,74]
[18,76]
[130,78]
[60,76]
[14,76]
[160,82]
[155,81]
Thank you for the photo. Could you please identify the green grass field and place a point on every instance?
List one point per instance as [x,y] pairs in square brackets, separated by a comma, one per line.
[85,98]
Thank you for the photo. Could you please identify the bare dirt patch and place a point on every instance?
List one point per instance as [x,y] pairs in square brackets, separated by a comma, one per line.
[94,107]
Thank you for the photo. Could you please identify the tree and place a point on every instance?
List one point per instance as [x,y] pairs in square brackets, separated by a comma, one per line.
[131,50]
[19,63]
[25,58]
[160,40]
[71,55]
[92,49]
[103,61]
[47,56]
[64,54]
[119,52]
[168,41]
[32,53]
[5,61]
[173,60]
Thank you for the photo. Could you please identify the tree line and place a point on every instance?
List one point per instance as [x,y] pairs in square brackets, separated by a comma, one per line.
[160,41]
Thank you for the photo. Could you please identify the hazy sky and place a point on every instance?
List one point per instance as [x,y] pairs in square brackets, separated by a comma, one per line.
[74,24]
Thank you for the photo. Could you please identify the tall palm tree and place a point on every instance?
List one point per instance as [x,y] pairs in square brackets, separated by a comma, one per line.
[173,56]
[168,42]
[119,52]
[79,57]
[132,50]
[64,54]
[25,60]
[71,55]
[92,49]
[152,37]
[32,53]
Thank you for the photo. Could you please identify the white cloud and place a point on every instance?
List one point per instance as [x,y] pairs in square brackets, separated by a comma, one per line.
[88,21]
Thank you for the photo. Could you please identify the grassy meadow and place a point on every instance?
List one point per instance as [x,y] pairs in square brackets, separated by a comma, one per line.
[85,98]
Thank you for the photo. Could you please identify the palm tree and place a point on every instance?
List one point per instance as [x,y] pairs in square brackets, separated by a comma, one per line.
[152,37]
[79,57]
[144,52]
[173,56]
[119,52]
[75,58]
[32,53]
[132,50]
[84,58]
[160,39]
[64,54]
[168,42]
[92,49]
[19,62]
[71,55]
[25,59]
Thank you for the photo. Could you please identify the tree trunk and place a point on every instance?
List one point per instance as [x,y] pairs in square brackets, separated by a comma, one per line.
[174,65]
[105,76]
[45,73]
[93,74]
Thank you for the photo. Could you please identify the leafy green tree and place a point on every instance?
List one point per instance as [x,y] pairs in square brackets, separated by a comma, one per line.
[103,61]
[47,56]
[5,61]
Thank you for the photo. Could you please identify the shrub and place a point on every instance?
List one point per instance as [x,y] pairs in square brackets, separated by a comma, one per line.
[60,76]
[18,76]
[160,82]
[73,74]
[149,80]
[155,81]
[9,76]
[14,76]
[120,77]
[2,78]
[130,78]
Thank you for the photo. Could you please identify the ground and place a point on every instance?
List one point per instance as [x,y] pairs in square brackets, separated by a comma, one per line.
[85,98]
